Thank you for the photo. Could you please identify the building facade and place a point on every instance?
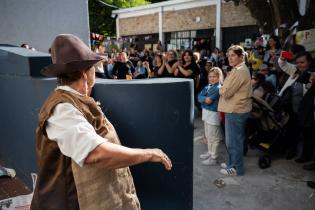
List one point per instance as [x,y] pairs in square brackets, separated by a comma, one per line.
[184,23]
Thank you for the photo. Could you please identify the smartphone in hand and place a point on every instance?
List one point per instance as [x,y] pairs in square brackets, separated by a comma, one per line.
[286,55]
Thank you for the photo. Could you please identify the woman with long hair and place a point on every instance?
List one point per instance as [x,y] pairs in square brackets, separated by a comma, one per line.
[186,67]
[235,101]
[272,52]
[271,57]
[158,65]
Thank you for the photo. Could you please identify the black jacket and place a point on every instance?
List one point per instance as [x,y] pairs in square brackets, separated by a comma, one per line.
[306,109]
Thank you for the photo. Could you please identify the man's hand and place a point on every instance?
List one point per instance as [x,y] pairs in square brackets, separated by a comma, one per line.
[113,156]
[157,155]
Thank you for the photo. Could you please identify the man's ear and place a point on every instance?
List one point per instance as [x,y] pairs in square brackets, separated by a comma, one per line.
[84,75]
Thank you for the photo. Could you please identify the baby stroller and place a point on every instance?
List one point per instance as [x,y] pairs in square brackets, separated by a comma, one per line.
[265,128]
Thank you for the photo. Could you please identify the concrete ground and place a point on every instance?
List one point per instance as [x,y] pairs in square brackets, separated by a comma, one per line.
[282,186]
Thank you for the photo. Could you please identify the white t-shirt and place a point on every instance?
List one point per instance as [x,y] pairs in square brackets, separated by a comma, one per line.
[211,117]
[74,135]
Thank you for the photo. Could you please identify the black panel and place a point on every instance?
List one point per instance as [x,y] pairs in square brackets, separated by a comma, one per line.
[36,64]
[155,115]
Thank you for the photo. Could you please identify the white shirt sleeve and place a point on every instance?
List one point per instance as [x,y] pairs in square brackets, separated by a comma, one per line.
[288,68]
[74,135]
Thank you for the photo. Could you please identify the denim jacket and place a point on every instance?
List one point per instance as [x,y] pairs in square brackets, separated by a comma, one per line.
[211,91]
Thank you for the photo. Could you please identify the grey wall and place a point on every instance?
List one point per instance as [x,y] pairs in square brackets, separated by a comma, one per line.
[37,22]
[21,61]
[23,96]
[22,99]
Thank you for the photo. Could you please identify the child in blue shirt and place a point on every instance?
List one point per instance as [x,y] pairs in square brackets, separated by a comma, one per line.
[209,99]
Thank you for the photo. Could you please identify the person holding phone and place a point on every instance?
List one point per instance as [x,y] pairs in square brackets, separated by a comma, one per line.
[271,56]
[292,93]
[272,52]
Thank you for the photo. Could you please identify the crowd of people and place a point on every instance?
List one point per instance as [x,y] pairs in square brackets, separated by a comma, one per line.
[224,85]
[73,132]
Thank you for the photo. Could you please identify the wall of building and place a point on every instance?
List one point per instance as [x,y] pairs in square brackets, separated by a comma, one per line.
[181,20]
[146,24]
[38,22]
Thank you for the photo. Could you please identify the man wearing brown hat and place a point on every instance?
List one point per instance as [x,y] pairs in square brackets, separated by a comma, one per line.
[81,163]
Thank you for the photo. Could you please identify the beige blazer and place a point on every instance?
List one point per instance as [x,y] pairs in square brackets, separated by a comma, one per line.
[236,92]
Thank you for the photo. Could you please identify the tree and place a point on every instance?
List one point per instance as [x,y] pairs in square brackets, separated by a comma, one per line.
[272,14]
[100,14]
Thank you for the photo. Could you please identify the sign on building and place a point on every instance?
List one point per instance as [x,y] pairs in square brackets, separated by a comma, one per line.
[307,39]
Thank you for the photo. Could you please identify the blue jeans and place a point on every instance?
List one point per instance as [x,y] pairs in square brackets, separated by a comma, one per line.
[234,139]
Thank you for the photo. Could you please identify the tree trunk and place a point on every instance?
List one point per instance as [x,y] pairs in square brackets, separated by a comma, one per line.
[284,12]
[261,11]
[271,14]
[276,13]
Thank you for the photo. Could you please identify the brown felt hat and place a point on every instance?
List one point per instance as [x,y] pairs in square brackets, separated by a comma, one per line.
[69,54]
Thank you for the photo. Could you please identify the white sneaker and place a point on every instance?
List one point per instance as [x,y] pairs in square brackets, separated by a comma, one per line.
[205,156]
[229,172]
[209,162]
[223,165]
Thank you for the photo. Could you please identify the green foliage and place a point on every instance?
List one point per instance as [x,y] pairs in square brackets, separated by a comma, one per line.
[100,15]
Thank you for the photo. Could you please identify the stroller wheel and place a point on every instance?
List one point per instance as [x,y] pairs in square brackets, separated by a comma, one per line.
[264,161]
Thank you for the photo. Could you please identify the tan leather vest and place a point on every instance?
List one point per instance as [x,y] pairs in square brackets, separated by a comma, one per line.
[62,184]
